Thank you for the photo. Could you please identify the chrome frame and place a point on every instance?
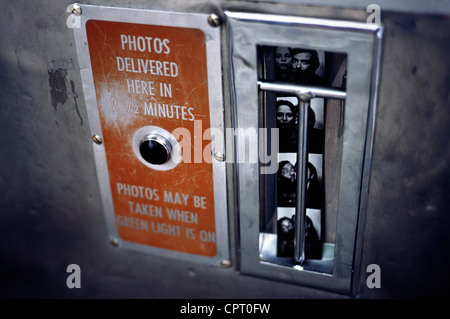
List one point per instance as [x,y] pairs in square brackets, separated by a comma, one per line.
[361,42]
[214,64]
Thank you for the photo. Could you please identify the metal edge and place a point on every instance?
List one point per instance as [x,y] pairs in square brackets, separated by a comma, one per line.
[233,142]
[401,6]
[299,21]
[370,137]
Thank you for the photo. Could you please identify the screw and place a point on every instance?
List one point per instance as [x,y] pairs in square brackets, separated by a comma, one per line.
[214,20]
[76,9]
[225,263]
[219,156]
[97,139]
[114,242]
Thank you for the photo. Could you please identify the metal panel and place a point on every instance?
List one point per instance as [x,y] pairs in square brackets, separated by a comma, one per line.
[159,18]
[361,44]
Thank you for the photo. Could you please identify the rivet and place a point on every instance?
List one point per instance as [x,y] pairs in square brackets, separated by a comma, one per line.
[219,156]
[225,263]
[97,139]
[114,242]
[76,9]
[214,20]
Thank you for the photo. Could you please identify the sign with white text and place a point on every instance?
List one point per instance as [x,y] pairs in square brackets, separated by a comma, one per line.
[152,75]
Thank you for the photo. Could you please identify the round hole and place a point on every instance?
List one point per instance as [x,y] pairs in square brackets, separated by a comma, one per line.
[155,149]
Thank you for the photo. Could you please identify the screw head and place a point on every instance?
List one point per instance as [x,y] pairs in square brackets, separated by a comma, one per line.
[214,20]
[97,139]
[114,242]
[76,9]
[219,156]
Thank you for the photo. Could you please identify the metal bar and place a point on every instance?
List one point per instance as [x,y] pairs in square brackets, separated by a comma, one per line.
[302,21]
[302,162]
[304,94]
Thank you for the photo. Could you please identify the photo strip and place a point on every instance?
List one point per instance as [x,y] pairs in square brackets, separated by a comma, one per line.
[303,67]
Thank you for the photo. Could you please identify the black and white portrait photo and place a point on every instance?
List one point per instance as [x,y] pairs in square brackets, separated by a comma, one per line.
[286,233]
[297,65]
[287,181]
[287,124]
[283,64]
[287,118]
[305,65]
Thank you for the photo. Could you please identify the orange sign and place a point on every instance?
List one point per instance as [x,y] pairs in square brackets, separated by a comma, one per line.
[147,75]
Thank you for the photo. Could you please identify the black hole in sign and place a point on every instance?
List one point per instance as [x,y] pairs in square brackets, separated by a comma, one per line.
[154,152]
